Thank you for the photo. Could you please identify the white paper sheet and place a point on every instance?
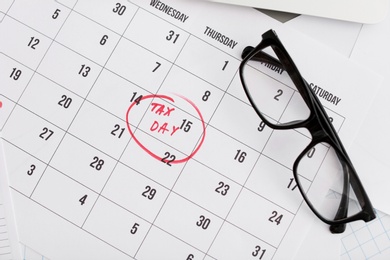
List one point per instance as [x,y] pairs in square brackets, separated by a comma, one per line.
[373,140]
[362,11]
[84,187]
[341,36]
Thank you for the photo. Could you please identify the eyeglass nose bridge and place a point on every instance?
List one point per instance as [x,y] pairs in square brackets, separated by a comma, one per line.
[316,129]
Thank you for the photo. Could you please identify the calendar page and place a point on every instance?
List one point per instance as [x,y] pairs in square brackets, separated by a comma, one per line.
[128,135]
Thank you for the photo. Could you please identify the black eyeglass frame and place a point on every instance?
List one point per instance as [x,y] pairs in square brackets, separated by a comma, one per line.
[319,126]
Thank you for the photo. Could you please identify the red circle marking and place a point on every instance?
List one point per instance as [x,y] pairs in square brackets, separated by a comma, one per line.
[1,104]
[172,100]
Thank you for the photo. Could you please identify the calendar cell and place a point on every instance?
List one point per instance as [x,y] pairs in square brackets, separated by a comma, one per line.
[116,226]
[161,245]
[203,94]
[138,65]
[188,222]
[271,96]
[68,69]
[234,243]
[296,108]
[6,107]
[227,156]
[113,14]
[156,35]
[262,218]
[271,180]
[336,119]
[43,16]
[167,120]
[32,134]
[23,44]
[115,94]
[64,196]
[208,63]
[15,77]
[163,170]
[284,146]
[135,192]
[311,163]
[240,121]
[236,89]
[24,170]
[83,163]
[95,42]
[206,188]
[54,103]
[107,134]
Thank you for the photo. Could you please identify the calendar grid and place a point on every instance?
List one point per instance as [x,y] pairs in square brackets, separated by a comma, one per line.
[243,186]
[34,71]
[128,211]
[86,98]
[66,131]
[118,161]
[185,164]
[132,212]
[208,125]
[67,220]
[133,202]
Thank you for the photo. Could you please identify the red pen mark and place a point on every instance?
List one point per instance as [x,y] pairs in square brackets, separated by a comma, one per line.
[162,124]
[162,110]
[163,128]
[1,104]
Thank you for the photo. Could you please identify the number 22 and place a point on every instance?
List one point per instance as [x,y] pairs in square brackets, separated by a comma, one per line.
[168,158]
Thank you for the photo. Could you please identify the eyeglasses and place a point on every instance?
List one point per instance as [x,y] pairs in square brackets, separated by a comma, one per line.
[284,100]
